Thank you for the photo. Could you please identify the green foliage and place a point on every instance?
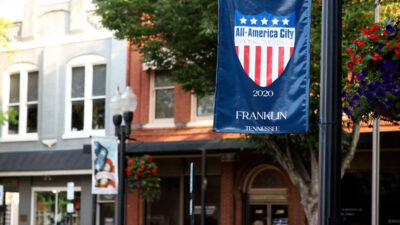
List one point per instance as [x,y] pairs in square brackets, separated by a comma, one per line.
[4,24]
[180,36]
[3,44]
[8,116]
[142,177]
[372,88]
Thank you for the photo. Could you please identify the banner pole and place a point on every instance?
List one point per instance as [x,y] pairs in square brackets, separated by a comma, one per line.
[375,152]
[330,113]
[203,185]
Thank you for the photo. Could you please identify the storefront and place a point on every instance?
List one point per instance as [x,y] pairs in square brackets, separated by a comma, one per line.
[246,188]
[35,188]
[242,186]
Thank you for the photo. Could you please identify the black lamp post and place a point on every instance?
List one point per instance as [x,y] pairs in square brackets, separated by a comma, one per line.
[122,107]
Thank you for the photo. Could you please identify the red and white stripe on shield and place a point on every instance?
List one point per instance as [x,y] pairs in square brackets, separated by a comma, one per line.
[262,63]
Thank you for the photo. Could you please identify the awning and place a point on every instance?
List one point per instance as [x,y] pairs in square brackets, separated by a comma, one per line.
[188,147]
[34,163]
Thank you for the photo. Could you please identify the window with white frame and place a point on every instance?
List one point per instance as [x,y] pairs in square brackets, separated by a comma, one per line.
[202,107]
[162,97]
[86,95]
[20,91]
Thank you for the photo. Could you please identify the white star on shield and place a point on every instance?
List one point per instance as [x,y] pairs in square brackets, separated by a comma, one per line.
[264,21]
[285,21]
[243,20]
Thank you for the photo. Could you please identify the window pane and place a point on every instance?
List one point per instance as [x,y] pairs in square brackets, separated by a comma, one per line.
[99,80]
[205,106]
[165,103]
[14,88]
[162,79]
[269,179]
[258,214]
[45,208]
[32,118]
[107,214]
[212,201]
[78,82]
[62,216]
[279,215]
[33,78]
[13,128]
[77,115]
[166,209]
[98,114]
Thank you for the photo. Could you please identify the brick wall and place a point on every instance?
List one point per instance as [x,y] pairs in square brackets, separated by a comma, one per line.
[227,215]
[139,80]
[233,174]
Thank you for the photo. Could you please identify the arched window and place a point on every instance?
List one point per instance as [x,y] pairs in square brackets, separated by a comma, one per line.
[267,202]
[86,96]
[20,91]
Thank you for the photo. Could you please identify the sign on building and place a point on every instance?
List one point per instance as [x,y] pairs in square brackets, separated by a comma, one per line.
[263,66]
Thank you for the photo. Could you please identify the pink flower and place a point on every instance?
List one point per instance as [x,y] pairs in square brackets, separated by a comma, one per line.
[365,32]
[350,66]
[376,57]
[350,51]
[375,28]
[360,59]
[374,37]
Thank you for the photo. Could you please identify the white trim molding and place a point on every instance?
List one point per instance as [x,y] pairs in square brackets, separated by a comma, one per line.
[45,173]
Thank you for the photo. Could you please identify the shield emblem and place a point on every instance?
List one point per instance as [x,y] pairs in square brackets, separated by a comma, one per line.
[264,44]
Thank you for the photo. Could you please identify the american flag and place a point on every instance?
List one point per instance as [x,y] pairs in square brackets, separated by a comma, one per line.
[264,44]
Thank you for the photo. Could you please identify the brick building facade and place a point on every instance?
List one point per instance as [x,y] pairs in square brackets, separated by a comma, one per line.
[243,186]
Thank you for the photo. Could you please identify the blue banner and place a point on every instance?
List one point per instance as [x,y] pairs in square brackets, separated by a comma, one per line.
[263,69]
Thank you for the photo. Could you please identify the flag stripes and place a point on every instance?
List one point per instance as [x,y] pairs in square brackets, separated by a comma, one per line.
[264,64]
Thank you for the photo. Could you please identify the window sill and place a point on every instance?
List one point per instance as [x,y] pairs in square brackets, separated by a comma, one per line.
[159,125]
[206,122]
[83,134]
[201,123]
[20,138]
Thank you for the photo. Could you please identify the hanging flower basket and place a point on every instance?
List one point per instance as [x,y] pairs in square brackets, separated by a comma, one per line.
[142,177]
[373,86]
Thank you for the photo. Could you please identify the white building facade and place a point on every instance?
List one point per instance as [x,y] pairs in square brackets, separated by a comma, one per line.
[62,69]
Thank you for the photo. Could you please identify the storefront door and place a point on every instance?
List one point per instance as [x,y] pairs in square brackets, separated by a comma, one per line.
[268,214]
[267,202]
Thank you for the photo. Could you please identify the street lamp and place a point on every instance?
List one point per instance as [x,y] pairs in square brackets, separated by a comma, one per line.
[122,106]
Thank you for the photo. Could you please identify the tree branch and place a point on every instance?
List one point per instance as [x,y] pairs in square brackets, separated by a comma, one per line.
[314,171]
[297,161]
[286,163]
[352,151]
